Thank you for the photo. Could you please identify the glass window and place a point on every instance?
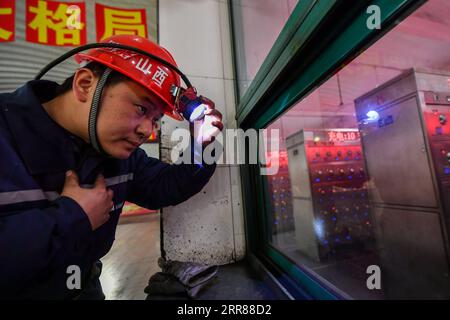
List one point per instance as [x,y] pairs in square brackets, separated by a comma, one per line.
[364,178]
[257,24]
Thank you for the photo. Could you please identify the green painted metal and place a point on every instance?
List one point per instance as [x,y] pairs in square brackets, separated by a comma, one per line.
[308,283]
[355,35]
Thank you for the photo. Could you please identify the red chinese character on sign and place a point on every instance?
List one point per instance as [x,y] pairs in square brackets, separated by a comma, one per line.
[56,23]
[7,14]
[112,21]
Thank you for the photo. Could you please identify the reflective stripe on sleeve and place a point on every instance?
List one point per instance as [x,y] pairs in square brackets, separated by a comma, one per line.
[12,197]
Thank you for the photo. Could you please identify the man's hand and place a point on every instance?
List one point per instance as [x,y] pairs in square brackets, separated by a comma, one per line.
[96,202]
[206,129]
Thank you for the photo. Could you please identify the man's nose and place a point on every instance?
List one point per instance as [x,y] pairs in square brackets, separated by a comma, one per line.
[145,128]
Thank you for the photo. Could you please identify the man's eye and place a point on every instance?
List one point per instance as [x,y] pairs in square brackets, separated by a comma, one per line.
[141,109]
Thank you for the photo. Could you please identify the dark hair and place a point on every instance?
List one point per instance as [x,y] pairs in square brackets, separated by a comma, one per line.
[98,69]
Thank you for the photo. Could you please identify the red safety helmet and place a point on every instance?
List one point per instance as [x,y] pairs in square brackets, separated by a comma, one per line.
[150,73]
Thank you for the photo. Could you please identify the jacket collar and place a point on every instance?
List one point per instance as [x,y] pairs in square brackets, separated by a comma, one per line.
[43,144]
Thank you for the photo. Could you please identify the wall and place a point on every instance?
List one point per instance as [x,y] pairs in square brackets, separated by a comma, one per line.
[21,61]
[209,227]
[151,149]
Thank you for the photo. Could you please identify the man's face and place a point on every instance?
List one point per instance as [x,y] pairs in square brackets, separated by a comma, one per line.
[128,114]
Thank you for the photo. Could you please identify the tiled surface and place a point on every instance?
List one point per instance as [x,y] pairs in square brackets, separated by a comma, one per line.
[225,35]
[230,103]
[210,224]
[191,31]
[132,259]
[151,149]
[200,229]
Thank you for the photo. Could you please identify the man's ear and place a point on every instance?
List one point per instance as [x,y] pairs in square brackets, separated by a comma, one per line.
[83,85]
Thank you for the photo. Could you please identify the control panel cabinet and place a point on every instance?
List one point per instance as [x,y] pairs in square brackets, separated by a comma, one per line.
[329,192]
[405,133]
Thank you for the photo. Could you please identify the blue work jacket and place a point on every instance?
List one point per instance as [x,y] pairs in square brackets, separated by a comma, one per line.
[42,233]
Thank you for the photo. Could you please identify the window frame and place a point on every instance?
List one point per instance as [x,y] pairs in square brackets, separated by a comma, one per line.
[278,85]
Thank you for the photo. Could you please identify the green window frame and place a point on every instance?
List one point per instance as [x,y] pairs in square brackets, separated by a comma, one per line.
[319,38]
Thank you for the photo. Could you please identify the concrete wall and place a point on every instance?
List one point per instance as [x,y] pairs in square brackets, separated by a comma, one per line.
[151,149]
[209,227]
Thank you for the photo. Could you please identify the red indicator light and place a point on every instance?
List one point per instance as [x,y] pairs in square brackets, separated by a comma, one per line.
[340,136]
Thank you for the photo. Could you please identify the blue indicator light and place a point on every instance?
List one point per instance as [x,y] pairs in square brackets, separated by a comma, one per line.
[446,170]
[350,177]
[334,218]
[348,237]
[337,158]
[372,115]
[317,180]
